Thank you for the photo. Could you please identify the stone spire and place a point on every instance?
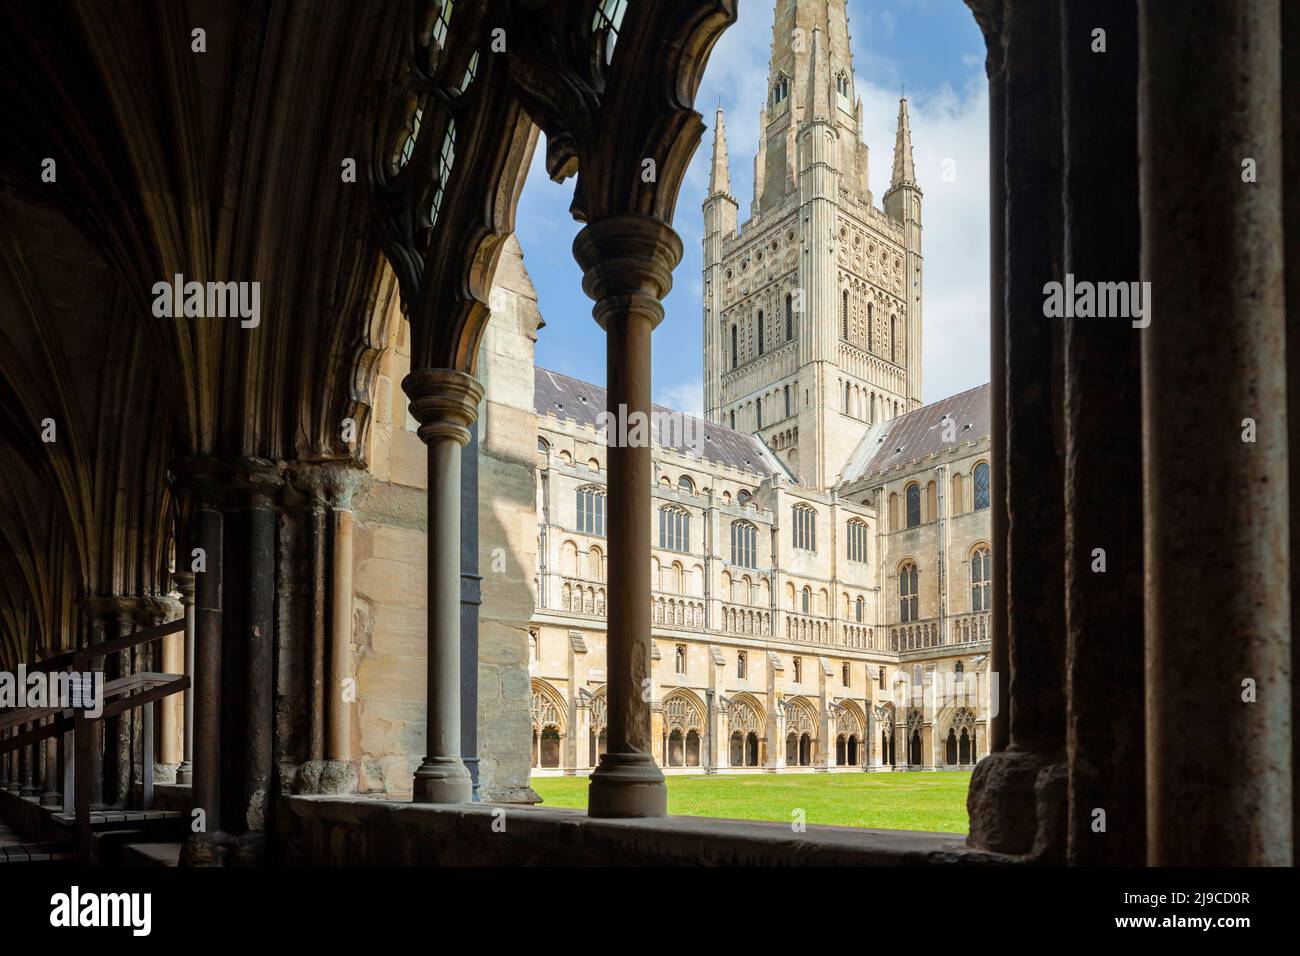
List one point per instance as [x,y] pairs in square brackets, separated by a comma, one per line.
[720,173]
[904,170]
[817,105]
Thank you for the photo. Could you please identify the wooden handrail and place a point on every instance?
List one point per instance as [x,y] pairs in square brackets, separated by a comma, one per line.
[60,661]
[127,641]
[73,729]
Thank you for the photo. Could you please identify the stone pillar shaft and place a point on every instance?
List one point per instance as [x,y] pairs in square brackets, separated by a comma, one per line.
[338,736]
[627,263]
[185,772]
[445,402]
[1103,440]
[1218,642]
[203,848]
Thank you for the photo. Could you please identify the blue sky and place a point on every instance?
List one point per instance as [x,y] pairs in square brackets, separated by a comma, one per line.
[934,50]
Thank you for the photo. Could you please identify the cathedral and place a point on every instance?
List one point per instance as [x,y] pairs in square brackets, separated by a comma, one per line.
[821,558]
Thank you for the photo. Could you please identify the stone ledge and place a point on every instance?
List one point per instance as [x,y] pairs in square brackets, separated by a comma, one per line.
[338,830]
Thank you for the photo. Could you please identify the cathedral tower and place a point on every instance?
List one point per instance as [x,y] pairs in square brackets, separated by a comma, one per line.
[812,309]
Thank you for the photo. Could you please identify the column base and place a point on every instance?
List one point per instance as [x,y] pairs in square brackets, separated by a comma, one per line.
[442,780]
[204,849]
[327,776]
[627,785]
[185,774]
[1016,804]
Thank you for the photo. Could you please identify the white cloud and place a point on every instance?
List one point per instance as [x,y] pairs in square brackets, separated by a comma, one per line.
[951,127]
[685,397]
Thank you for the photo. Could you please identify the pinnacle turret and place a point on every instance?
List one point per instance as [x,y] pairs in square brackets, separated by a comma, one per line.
[720,173]
[904,170]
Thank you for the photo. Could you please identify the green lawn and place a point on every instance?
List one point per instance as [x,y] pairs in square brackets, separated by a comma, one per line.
[894,801]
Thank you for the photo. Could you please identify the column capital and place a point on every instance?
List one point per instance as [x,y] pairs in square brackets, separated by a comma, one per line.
[229,481]
[327,484]
[444,401]
[627,263]
[158,608]
[184,583]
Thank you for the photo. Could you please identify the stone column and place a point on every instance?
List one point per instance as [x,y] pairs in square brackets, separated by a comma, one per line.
[257,483]
[627,264]
[204,848]
[117,730]
[445,403]
[338,729]
[471,597]
[1017,797]
[27,775]
[1218,614]
[1103,442]
[51,796]
[171,709]
[185,585]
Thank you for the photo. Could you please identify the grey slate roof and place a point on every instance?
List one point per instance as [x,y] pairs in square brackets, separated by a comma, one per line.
[580,402]
[918,434]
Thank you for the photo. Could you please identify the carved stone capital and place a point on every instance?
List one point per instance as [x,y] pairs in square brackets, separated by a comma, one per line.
[327,484]
[627,264]
[236,481]
[158,609]
[184,582]
[445,403]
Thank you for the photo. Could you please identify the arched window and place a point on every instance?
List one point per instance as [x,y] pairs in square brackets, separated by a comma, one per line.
[958,500]
[805,528]
[787,401]
[685,484]
[733,419]
[981,574]
[844,675]
[798,670]
[674,529]
[982,485]
[789,317]
[931,502]
[591,511]
[960,671]
[542,444]
[857,539]
[742,497]
[913,505]
[780,89]
[858,606]
[844,314]
[758,411]
[744,537]
[893,512]
[907,593]
[735,351]
[741,661]
[805,602]
[760,331]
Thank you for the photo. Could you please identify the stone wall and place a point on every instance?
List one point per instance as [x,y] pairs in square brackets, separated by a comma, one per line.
[390,558]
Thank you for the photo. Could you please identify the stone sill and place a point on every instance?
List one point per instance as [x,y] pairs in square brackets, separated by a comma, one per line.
[351,830]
